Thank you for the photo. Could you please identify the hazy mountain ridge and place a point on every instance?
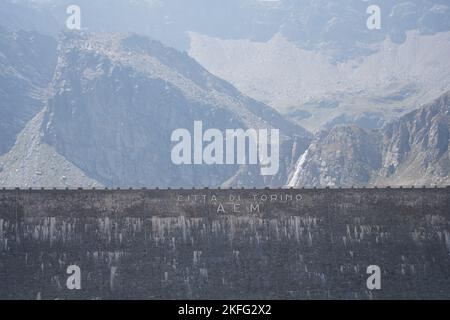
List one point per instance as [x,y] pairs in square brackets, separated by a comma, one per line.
[413,150]
[376,87]
[312,24]
[115,100]
[295,56]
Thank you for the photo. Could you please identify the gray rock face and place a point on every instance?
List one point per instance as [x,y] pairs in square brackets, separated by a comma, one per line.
[27,61]
[31,163]
[416,147]
[343,156]
[117,99]
[366,120]
[413,150]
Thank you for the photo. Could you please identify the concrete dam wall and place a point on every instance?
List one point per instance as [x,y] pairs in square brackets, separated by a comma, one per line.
[225,244]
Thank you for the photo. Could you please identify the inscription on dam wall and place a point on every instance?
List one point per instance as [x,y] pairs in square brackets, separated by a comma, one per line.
[225,244]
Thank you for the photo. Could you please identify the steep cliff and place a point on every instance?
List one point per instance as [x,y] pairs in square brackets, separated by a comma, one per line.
[343,156]
[416,147]
[413,150]
[31,163]
[27,60]
[116,99]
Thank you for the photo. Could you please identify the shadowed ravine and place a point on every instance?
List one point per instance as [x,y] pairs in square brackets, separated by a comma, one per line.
[225,244]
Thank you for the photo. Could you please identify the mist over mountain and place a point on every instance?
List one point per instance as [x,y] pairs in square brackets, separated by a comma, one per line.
[294,55]
[308,23]
[20,15]
[307,86]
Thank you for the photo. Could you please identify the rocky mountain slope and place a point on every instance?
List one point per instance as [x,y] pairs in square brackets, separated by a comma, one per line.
[115,100]
[413,150]
[33,163]
[320,64]
[27,61]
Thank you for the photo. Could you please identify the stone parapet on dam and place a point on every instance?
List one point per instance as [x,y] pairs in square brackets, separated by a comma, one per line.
[225,244]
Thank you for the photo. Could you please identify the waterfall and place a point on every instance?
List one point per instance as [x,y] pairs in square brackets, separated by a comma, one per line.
[298,170]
